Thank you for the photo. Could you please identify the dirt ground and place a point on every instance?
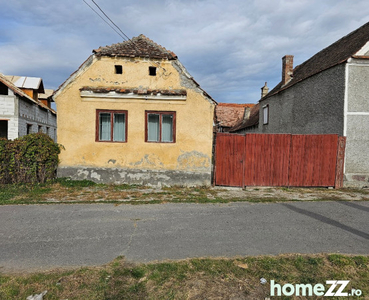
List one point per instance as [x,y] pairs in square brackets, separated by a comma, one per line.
[294,193]
[213,194]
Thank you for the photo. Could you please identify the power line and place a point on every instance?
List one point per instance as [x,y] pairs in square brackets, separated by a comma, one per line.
[116,26]
[105,21]
[110,20]
[121,31]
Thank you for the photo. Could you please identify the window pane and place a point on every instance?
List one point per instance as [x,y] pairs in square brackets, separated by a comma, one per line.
[153,128]
[167,128]
[119,130]
[266,114]
[104,130]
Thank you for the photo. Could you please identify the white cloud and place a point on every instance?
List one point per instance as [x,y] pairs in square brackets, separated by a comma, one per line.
[230,47]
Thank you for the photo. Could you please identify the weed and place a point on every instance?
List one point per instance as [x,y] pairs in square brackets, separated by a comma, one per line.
[67,182]
[361,261]
[121,187]
[138,272]
[195,278]
[65,190]
[340,260]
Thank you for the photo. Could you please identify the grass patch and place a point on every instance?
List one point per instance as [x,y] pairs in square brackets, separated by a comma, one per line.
[66,182]
[191,279]
[14,193]
[64,190]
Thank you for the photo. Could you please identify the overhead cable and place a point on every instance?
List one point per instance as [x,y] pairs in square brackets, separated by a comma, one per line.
[128,39]
[124,39]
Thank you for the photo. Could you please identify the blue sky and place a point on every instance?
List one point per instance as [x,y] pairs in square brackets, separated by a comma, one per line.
[230,47]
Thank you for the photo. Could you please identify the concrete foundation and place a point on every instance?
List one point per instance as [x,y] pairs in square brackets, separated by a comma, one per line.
[356,180]
[156,178]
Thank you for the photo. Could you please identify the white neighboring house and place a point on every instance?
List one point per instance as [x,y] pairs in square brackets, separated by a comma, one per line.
[24,108]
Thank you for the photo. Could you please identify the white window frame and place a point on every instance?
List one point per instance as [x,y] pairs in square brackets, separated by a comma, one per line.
[266,114]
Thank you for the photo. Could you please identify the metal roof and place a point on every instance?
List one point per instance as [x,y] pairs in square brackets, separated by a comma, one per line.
[33,83]
[6,79]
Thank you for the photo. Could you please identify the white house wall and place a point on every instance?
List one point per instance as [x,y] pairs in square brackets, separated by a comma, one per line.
[357,121]
[8,110]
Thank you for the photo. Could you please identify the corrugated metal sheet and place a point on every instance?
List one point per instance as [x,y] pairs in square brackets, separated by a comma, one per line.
[28,82]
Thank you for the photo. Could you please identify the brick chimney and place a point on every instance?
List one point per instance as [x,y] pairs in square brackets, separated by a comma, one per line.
[287,68]
[264,90]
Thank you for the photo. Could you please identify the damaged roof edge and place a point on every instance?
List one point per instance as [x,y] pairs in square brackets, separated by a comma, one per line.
[74,75]
[187,77]
[176,63]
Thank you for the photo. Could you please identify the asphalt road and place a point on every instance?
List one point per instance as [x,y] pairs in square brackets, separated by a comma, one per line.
[39,237]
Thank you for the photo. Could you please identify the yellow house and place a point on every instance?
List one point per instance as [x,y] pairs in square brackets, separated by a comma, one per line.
[133,114]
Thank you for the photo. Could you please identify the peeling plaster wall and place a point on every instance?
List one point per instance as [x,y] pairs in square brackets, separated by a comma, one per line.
[190,156]
[157,178]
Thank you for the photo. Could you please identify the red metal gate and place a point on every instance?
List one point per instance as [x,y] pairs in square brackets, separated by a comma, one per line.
[279,160]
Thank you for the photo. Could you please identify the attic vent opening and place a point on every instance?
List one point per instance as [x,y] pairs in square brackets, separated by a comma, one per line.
[152,71]
[118,69]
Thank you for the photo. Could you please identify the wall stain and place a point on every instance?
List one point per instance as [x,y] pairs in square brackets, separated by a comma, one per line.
[149,160]
[193,161]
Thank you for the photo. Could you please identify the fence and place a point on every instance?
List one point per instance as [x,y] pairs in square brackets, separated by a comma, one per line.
[279,160]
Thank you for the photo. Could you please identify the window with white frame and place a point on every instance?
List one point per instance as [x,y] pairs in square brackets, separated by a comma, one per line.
[160,126]
[266,114]
[111,126]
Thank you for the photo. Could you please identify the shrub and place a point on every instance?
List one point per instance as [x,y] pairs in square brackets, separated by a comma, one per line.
[32,158]
[4,160]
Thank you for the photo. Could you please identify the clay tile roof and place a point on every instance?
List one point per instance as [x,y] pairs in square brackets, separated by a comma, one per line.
[229,114]
[253,120]
[140,46]
[333,55]
[138,91]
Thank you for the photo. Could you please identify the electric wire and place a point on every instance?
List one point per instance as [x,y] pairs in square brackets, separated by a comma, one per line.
[124,39]
[110,19]
[120,33]
[128,39]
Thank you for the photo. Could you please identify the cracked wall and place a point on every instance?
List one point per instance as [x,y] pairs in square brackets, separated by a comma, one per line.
[135,161]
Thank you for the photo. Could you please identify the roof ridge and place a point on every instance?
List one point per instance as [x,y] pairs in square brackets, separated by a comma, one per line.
[156,44]
[140,46]
[235,104]
[332,55]
[335,44]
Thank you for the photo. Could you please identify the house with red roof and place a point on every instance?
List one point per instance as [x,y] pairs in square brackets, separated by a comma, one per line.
[327,94]
[229,114]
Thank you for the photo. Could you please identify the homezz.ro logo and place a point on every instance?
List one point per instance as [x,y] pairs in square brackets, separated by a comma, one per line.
[336,288]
